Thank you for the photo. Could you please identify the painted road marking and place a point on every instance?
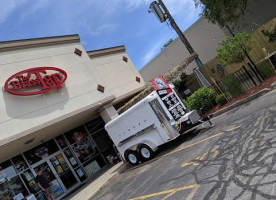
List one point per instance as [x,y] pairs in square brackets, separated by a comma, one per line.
[170,193]
[199,158]
[185,147]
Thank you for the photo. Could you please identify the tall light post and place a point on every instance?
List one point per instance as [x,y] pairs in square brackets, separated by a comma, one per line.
[162,15]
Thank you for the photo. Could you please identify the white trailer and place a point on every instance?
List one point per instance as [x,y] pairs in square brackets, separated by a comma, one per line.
[139,131]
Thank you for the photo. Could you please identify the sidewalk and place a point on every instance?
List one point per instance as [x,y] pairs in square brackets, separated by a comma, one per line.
[245,100]
[91,188]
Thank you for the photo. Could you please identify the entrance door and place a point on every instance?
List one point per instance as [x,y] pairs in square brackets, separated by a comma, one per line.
[51,178]
[63,171]
[58,173]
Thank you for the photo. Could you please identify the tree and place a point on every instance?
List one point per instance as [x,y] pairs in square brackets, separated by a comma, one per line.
[271,35]
[234,49]
[167,44]
[181,84]
[222,12]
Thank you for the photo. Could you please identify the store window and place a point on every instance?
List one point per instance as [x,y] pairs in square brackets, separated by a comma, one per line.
[85,149]
[7,171]
[29,180]
[41,151]
[12,188]
[61,142]
[70,157]
[95,125]
[104,143]
[80,173]
[76,134]
[91,167]
[19,163]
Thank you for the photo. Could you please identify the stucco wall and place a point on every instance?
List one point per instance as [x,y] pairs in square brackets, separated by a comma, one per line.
[204,38]
[120,76]
[21,115]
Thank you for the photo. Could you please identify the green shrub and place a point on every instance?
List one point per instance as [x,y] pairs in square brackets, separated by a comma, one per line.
[265,69]
[202,98]
[232,85]
[220,99]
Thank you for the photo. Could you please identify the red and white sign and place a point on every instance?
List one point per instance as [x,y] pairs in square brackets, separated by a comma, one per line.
[35,81]
[159,83]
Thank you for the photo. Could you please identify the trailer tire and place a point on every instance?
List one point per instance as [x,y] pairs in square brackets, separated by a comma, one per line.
[132,157]
[145,152]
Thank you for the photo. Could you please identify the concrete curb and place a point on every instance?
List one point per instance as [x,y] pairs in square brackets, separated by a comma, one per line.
[92,188]
[250,98]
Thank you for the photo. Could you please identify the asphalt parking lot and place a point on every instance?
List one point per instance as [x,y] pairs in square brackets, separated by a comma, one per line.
[233,160]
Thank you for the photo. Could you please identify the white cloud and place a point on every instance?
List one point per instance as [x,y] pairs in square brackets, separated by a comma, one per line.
[34,7]
[101,28]
[8,8]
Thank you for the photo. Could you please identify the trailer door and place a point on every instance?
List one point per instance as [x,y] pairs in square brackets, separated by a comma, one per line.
[163,118]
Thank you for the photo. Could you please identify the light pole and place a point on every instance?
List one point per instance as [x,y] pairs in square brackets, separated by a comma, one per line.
[162,16]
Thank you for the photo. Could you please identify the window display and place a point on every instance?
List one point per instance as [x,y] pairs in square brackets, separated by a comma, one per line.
[28,178]
[76,134]
[61,142]
[19,163]
[6,170]
[70,157]
[12,188]
[41,151]
[80,174]
[85,149]
[92,168]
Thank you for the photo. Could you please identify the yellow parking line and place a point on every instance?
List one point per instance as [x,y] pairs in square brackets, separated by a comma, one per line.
[169,192]
[190,163]
[184,147]
[233,128]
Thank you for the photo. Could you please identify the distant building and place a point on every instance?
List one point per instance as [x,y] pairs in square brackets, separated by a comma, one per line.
[204,38]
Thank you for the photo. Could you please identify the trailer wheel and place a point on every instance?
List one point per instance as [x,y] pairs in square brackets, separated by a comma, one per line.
[145,152]
[132,157]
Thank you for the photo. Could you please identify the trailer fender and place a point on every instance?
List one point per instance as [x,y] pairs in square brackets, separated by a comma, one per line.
[149,143]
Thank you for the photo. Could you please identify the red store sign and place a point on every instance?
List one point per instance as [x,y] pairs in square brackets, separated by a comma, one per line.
[35,81]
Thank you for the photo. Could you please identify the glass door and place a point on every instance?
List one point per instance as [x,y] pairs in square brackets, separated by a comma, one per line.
[63,171]
[50,177]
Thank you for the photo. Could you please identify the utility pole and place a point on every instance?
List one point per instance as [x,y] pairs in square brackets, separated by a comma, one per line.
[154,6]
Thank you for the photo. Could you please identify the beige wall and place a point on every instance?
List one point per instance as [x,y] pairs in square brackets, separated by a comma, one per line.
[120,76]
[204,38]
[21,113]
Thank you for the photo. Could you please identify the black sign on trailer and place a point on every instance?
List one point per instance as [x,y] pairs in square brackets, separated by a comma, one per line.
[172,103]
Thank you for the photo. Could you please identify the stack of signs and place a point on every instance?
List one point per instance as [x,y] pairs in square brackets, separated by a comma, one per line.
[168,97]
[172,103]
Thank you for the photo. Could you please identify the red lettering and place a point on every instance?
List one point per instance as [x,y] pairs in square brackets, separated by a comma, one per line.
[57,78]
[16,85]
[35,76]
[37,73]
[24,83]
[33,82]
[48,80]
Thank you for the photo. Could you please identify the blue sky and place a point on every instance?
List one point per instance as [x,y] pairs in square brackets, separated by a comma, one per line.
[100,23]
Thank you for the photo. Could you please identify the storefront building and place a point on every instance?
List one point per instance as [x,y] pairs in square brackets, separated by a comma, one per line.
[54,103]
